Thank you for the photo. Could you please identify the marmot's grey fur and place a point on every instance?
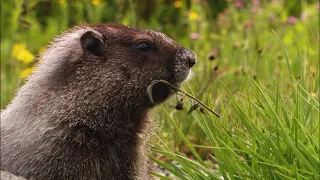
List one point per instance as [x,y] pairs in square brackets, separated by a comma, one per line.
[83,114]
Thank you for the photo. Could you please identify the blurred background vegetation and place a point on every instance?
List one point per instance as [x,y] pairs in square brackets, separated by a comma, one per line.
[204,26]
[238,43]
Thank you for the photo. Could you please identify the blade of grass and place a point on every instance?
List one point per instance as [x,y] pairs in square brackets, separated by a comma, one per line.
[184,138]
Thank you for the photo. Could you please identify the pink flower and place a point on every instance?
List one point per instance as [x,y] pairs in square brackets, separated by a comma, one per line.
[238,3]
[256,2]
[292,20]
[318,5]
[194,35]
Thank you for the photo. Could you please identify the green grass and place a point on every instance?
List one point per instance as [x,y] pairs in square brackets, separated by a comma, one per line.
[265,139]
[264,82]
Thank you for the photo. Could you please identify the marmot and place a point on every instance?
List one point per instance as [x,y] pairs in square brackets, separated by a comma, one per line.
[83,114]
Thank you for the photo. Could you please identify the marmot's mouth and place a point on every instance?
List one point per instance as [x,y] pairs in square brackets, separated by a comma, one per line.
[161,91]
[181,75]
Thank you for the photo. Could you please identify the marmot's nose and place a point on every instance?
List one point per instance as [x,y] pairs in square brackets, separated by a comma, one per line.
[187,56]
[192,60]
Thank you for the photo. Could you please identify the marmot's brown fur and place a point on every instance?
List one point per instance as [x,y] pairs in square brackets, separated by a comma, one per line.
[83,114]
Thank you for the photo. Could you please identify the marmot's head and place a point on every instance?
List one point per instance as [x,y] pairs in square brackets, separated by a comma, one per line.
[109,63]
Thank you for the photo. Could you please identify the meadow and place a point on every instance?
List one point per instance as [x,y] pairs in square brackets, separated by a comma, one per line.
[258,68]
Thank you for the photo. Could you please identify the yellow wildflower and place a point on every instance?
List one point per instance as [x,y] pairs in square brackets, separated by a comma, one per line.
[26,72]
[193,16]
[17,48]
[177,4]
[96,2]
[25,57]
[62,2]
[20,52]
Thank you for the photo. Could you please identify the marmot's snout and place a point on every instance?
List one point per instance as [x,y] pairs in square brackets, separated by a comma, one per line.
[187,56]
[185,60]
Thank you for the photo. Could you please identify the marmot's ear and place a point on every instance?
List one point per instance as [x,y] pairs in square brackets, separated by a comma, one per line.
[91,41]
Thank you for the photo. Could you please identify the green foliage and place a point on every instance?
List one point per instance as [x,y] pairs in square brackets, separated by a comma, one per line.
[258,67]
[266,138]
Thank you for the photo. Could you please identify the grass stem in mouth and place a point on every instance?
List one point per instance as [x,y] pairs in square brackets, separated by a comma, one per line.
[149,91]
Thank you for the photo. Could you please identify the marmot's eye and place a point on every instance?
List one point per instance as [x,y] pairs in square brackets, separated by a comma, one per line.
[143,46]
